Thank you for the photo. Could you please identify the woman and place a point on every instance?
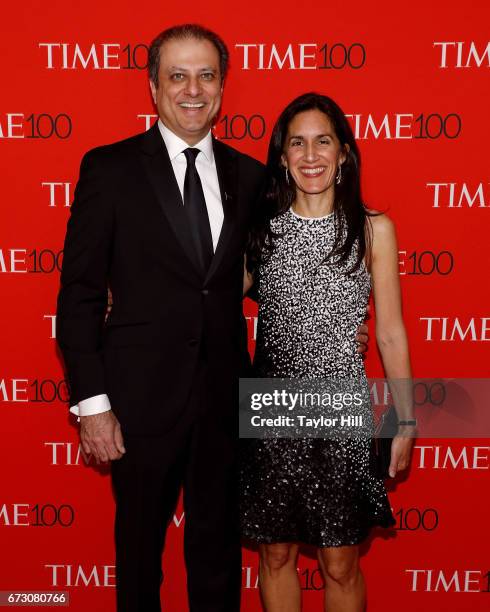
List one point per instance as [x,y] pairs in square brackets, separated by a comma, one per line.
[314,254]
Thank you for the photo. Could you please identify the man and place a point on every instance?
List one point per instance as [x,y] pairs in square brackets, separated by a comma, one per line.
[162,219]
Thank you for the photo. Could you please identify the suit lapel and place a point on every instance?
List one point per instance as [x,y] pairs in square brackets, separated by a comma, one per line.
[162,178]
[227,169]
[160,173]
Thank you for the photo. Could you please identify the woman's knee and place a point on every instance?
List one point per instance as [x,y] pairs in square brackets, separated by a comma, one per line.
[275,557]
[340,566]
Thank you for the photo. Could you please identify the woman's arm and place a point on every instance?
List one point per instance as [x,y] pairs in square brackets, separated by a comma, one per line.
[390,333]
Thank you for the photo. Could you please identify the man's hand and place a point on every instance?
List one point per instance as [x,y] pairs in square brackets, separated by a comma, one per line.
[101,436]
[362,336]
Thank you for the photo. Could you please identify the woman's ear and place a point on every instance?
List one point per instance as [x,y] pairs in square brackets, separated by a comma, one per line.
[284,161]
[345,152]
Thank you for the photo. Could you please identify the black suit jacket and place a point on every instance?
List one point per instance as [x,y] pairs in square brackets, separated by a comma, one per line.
[128,230]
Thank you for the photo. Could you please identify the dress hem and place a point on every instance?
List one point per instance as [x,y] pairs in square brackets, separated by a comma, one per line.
[363,535]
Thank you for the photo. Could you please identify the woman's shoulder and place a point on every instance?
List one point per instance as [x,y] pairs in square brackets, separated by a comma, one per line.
[280,221]
[383,233]
[380,222]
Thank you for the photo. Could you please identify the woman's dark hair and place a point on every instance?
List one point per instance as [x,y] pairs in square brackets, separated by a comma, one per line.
[350,213]
[186,30]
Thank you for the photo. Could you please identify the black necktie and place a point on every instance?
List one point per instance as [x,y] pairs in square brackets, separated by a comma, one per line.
[197,213]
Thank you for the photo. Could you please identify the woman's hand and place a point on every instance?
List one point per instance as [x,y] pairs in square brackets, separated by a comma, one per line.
[401,450]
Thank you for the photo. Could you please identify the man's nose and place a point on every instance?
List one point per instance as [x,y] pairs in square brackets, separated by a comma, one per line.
[193,87]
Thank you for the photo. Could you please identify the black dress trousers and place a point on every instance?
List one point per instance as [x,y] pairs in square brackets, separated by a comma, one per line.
[199,454]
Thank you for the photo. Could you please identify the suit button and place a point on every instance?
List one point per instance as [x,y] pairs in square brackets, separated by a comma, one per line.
[193,342]
[205,291]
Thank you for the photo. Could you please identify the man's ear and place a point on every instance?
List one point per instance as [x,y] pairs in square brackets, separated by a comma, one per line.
[153,91]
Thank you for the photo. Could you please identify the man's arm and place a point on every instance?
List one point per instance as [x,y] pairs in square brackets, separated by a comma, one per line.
[82,303]
[91,405]
[82,299]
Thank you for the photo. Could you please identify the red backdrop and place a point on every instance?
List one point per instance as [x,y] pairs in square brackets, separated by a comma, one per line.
[415,80]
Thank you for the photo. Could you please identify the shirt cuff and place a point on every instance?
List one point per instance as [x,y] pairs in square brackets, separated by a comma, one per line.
[92,405]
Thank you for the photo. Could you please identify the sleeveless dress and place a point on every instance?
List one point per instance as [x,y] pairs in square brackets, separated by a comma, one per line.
[318,491]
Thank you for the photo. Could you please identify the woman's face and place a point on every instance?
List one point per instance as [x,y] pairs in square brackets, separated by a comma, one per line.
[312,152]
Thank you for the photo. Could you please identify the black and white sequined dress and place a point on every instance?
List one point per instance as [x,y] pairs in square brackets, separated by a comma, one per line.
[317,491]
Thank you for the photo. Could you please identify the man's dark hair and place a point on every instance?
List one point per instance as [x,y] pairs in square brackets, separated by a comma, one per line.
[186,30]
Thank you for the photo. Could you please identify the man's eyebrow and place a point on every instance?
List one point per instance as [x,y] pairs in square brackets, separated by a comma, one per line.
[181,69]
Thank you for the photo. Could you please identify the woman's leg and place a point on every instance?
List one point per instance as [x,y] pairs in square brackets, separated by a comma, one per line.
[278,576]
[345,590]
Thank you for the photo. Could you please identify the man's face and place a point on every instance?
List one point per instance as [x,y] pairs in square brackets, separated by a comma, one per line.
[189,89]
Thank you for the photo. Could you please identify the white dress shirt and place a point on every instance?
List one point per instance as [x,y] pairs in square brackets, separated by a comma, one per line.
[206,167]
